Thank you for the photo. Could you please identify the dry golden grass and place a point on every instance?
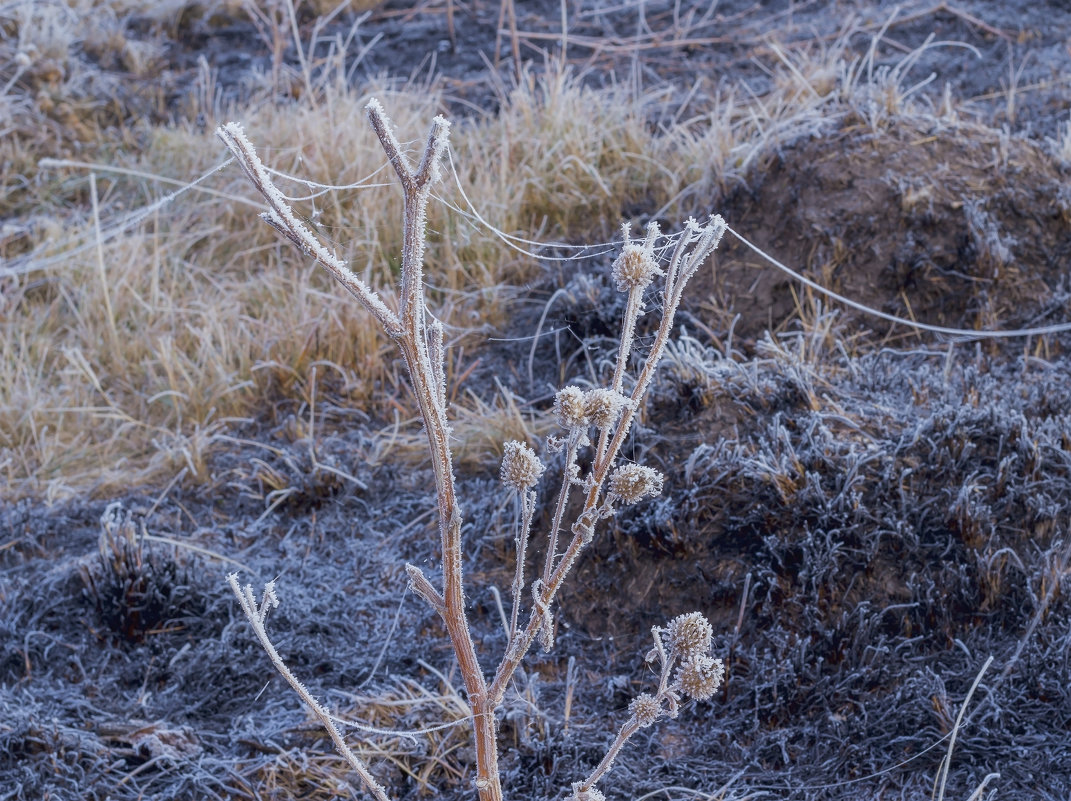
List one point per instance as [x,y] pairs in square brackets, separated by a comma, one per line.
[122,354]
[130,341]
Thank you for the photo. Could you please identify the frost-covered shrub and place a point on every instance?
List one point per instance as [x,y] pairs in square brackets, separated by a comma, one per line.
[594,423]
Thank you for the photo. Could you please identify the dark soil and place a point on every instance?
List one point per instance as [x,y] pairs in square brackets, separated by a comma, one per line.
[864,524]
[951,225]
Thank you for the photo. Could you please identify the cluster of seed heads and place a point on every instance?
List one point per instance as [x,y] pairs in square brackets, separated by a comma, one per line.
[684,643]
[576,410]
[689,638]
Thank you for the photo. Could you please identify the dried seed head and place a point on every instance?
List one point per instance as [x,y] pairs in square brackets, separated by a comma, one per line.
[521,468]
[700,676]
[631,483]
[689,634]
[635,268]
[646,709]
[569,408]
[603,406]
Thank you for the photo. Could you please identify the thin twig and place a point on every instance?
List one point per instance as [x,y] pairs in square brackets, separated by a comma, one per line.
[257,614]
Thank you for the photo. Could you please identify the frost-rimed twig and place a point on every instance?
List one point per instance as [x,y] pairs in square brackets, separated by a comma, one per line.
[281,217]
[257,614]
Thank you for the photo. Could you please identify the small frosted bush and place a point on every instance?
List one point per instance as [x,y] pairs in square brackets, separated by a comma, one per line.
[595,422]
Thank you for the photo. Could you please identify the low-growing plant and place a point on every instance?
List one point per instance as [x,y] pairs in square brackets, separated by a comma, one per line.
[136,589]
[594,425]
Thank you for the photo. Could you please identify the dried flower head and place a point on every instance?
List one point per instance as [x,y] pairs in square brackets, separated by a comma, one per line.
[636,266]
[603,406]
[700,676]
[569,408]
[631,483]
[521,468]
[645,708]
[689,634]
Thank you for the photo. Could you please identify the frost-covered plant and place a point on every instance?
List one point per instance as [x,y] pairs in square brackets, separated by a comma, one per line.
[1060,147]
[688,639]
[597,419]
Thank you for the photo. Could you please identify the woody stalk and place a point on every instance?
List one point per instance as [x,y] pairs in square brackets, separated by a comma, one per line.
[685,664]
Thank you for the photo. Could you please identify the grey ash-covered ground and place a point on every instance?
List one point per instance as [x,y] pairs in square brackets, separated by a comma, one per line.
[866,514]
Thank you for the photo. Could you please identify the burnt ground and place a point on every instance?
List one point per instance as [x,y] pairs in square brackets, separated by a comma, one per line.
[866,513]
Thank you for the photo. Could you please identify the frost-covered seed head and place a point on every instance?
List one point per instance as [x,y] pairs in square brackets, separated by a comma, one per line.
[633,482]
[645,708]
[689,634]
[700,676]
[603,406]
[521,468]
[635,268]
[569,408]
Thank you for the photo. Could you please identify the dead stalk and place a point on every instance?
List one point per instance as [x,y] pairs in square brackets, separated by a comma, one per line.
[422,348]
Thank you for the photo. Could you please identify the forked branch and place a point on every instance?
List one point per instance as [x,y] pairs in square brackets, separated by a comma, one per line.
[422,350]
[282,218]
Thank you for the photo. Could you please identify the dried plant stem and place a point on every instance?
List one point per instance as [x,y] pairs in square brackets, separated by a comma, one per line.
[421,348]
[256,615]
[628,329]
[630,727]
[113,331]
[428,390]
[677,276]
[528,505]
[942,770]
[420,341]
[633,724]
[559,509]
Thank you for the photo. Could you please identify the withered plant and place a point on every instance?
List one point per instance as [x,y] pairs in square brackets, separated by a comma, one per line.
[594,423]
